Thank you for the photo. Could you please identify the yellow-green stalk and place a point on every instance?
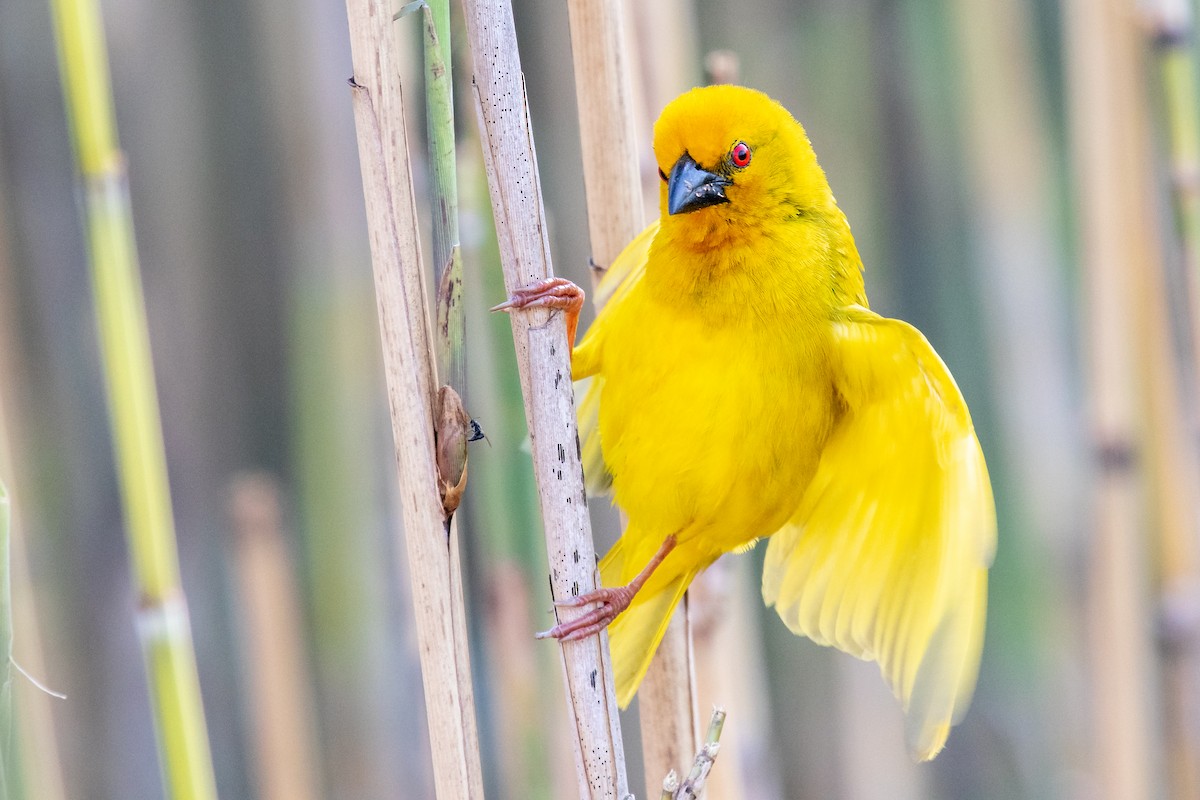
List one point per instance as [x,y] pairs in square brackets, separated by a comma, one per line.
[447,254]
[133,403]
[1174,32]
[1173,468]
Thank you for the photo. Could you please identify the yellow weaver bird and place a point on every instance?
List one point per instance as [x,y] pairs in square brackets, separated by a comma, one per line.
[741,388]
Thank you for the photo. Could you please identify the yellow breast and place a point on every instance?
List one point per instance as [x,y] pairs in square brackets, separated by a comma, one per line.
[711,429]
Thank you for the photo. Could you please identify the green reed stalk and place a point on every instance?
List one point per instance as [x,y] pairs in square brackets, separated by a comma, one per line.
[447,253]
[1174,465]
[133,403]
[1177,64]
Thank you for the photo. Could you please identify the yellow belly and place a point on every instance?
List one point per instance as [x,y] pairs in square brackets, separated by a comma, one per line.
[712,432]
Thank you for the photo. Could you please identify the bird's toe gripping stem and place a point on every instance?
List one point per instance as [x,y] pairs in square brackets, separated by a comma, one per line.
[558,293]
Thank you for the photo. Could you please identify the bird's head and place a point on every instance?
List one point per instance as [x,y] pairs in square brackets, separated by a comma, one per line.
[732,161]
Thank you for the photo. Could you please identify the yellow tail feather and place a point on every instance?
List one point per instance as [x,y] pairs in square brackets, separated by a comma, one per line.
[635,635]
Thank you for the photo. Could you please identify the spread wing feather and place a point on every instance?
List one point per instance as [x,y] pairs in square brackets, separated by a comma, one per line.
[886,557]
[620,277]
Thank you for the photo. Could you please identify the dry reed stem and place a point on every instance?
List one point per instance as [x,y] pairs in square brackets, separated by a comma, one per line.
[515,671]
[273,644]
[1173,476]
[412,384]
[1172,455]
[729,666]
[693,785]
[603,88]
[544,365]
[1110,147]
[667,699]
[1171,27]
[666,66]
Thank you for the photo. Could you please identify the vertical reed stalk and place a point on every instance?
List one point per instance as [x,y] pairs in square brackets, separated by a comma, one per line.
[447,252]
[41,764]
[603,88]
[277,683]
[8,379]
[529,723]
[667,700]
[133,402]
[1173,458]
[1172,27]
[665,66]
[545,369]
[1109,149]
[8,761]
[333,379]
[37,773]
[39,769]
[695,783]
[730,669]
[432,544]
[1037,453]
[1174,475]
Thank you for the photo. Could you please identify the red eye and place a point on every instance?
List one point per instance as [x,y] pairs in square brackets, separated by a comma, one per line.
[740,154]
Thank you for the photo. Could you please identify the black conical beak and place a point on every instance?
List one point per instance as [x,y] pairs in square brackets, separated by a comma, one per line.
[690,188]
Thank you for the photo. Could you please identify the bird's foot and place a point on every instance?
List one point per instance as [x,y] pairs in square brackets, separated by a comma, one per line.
[557,293]
[549,293]
[612,602]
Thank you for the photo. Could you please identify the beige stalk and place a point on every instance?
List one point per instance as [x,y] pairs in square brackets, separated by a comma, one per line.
[432,545]
[603,88]
[544,365]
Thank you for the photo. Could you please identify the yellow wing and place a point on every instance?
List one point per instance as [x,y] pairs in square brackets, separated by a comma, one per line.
[625,271]
[887,556]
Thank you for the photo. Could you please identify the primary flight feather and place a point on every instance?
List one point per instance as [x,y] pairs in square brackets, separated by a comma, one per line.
[741,388]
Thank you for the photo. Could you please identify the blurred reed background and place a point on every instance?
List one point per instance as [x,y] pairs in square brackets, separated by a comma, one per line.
[968,143]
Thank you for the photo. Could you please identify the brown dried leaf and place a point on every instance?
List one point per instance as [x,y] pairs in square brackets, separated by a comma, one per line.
[452,432]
